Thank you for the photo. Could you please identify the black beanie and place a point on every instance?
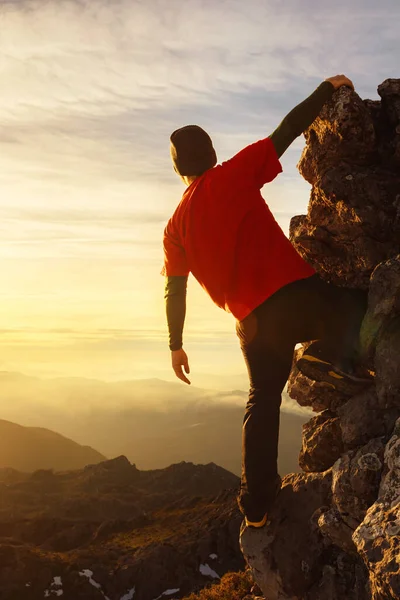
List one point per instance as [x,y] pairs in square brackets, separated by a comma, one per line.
[192,151]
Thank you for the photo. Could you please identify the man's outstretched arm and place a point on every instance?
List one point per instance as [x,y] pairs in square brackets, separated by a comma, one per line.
[304,114]
[175,300]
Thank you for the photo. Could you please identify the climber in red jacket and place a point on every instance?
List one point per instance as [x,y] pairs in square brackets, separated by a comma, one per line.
[225,235]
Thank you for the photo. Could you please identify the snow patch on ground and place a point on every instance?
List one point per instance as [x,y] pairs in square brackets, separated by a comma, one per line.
[56,583]
[129,595]
[208,572]
[168,593]
[88,574]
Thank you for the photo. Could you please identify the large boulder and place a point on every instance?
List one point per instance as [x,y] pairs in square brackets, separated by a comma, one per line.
[342,133]
[289,554]
[355,482]
[322,443]
[353,219]
[362,418]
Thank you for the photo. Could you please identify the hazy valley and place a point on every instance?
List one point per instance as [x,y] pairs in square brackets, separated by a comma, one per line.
[153,422]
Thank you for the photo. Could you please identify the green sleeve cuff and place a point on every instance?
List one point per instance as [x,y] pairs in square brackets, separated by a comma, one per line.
[175,300]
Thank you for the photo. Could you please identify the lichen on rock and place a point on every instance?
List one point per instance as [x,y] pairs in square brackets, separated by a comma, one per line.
[335,530]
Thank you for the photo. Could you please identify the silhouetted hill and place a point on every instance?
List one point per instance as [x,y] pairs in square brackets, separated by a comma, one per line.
[109,529]
[31,448]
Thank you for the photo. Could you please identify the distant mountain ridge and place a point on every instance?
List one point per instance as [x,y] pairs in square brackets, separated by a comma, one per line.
[28,449]
[154,423]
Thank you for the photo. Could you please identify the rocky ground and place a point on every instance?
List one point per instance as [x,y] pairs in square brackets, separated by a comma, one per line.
[335,531]
[112,531]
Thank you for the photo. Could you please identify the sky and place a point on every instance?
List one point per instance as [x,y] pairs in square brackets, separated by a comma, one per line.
[90,92]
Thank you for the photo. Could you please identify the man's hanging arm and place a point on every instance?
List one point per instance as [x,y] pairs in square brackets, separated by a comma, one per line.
[305,113]
[175,302]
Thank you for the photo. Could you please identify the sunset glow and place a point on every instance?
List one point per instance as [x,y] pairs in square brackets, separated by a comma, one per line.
[90,94]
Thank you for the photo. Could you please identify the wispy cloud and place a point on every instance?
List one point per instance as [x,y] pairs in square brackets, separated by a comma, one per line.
[100,85]
[90,93]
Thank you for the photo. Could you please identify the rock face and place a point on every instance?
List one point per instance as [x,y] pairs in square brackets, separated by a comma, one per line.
[335,530]
[353,220]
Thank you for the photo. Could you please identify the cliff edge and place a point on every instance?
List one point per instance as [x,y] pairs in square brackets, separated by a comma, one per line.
[335,530]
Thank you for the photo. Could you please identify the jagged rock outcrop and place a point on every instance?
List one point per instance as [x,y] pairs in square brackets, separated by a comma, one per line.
[322,442]
[344,540]
[353,220]
[377,538]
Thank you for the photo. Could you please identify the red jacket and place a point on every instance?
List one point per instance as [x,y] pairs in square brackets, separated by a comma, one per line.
[224,233]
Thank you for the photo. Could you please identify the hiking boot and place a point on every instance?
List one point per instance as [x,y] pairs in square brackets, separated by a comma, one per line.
[264,520]
[257,524]
[318,366]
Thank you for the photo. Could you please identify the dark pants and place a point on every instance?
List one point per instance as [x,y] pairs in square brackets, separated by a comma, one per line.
[309,309]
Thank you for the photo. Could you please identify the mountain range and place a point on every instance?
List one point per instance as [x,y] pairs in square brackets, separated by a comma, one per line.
[153,422]
[112,531]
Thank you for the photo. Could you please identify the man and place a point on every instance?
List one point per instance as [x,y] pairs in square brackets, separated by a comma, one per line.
[225,235]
